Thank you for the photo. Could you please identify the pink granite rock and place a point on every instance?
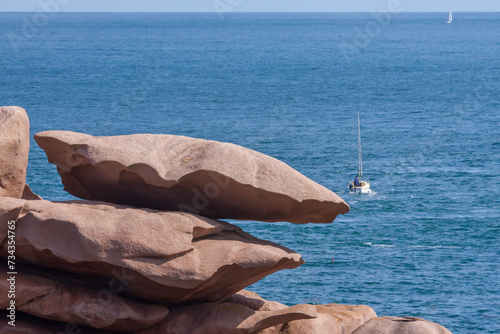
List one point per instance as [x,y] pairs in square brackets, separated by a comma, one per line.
[226,318]
[322,324]
[400,325]
[14,150]
[29,194]
[53,300]
[331,319]
[168,257]
[348,317]
[89,307]
[176,173]
[26,287]
[254,301]
[26,324]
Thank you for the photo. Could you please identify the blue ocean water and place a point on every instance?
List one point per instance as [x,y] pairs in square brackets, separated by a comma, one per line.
[425,243]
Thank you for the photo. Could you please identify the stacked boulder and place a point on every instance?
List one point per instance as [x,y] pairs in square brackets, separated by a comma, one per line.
[144,250]
[14,145]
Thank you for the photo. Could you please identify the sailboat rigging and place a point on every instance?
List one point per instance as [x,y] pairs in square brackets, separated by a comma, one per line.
[360,184]
[450,18]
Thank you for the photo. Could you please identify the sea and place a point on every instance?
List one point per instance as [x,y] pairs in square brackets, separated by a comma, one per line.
[424,243]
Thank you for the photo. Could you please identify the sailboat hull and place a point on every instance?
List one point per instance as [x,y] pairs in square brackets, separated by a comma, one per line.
[364,187]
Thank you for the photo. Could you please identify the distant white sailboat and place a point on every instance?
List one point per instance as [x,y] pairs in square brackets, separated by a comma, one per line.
[360,184]
[450,18]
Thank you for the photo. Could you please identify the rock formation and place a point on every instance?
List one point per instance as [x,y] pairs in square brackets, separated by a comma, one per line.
[167,257]
[149,264]
[14,150]
[176,173]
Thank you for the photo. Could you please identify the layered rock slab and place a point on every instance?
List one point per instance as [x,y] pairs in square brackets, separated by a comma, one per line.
[54,300]
[166,257]
[176,173]
[14,149]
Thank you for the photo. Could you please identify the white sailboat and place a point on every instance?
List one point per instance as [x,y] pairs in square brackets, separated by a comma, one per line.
[450,18]
[361,183]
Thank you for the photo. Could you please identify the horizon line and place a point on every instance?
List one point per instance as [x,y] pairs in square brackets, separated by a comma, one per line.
[249,12]
[244,12]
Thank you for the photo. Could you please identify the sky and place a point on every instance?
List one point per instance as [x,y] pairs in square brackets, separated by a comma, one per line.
[248,5]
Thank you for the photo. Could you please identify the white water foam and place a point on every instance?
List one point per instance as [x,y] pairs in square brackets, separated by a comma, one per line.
[377,245]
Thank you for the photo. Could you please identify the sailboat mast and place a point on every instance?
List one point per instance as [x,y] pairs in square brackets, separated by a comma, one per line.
[360,157]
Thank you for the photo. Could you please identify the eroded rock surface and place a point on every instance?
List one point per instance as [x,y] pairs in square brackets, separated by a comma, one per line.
[176,173]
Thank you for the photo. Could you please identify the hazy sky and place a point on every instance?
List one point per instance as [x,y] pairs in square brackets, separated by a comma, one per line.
[250,5]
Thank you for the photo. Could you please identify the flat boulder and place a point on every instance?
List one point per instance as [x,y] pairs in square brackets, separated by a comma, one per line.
[176,173]
[165,257]
[14,150]
[398,325]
